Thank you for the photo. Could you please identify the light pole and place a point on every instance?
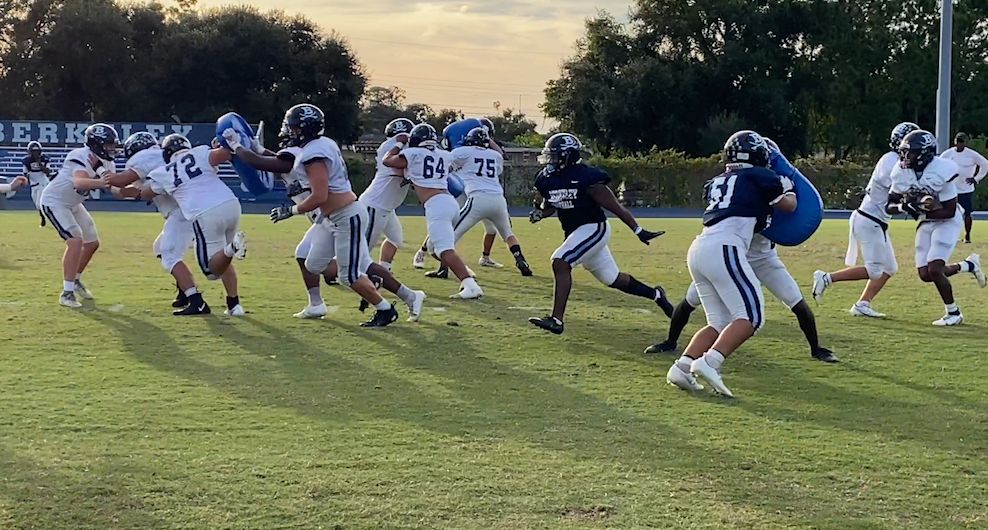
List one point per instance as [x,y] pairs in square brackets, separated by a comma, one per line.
[943,86]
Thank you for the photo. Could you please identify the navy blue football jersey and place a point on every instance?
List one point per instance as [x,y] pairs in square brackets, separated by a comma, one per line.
[566,191]
[742,192]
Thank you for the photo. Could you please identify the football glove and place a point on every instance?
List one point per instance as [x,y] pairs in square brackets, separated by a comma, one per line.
[535,216]
[232,139]
[646,236]
[280,213]
[295,188]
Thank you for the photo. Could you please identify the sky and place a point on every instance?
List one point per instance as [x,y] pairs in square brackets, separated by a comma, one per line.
[457,54]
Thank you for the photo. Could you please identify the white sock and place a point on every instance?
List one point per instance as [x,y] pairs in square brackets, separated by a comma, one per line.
[385,264]
[469,282]
[684,363]
[966,266]
[68,287]
[714,358]
[315,296]
[407,295]
[951,308]
[383,305]
[863,303]
[229,251]
[191,291]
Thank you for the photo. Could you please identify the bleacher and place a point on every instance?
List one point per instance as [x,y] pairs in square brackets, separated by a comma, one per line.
[10,167]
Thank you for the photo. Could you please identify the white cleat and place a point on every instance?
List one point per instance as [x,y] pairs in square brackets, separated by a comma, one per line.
[821,281]
[977,272]
[312,311]
[468,291]
[419,260]
[486,261]
[68,300]
[682,379]
[704,371]
[865,310]
[237,311]
[949,320]
[83,293]
[240,245]
[415,308]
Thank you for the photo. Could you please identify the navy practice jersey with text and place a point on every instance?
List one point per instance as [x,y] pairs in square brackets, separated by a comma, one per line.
[566,191]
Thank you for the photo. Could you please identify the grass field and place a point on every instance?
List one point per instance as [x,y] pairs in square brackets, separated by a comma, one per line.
[122,416]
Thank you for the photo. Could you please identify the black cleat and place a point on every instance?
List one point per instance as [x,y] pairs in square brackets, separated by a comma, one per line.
[548,323]
[180,300]
[661,347]
[364,304]
[382,318]
[523,267]
[441,272]
[199,308]
[663,302]
[44,222]
[825,355]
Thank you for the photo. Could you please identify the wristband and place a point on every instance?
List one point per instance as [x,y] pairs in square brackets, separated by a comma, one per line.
[102,171]
[294,209]
[638,230]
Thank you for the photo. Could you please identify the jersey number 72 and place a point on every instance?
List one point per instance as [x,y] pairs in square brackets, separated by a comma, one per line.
[720,192]
[188,166]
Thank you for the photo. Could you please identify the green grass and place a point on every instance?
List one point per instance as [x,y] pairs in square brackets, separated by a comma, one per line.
[122,416]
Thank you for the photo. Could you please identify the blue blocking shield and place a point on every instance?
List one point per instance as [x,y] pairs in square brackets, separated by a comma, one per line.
[255,182]
[791,229]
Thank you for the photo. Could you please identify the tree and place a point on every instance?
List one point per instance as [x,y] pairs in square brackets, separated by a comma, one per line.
[149,63]
[509,126]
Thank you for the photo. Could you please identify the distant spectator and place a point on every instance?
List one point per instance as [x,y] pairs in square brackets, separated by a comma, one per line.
[973,166]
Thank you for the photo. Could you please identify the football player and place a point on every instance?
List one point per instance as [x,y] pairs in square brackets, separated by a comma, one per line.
[191,178]
[298,190]
[869,234]
[38,173]
[84,170]
[480,166]
[340,228]
[144,156]
[489,230]
[579,194]
[773,274]
[739,202]
[425,165]
[924,187]
[385,193]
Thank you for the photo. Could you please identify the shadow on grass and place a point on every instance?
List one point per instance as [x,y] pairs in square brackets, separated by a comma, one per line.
[58,496]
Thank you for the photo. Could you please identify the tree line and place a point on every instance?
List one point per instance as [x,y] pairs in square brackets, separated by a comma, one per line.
[816,75]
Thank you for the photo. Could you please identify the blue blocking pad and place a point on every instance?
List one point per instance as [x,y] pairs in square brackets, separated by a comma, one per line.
[791,229]
[456,132]
[255,182]
[454,185]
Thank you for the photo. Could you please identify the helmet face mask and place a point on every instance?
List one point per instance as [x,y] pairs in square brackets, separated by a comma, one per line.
[561,150]
[101,139]
[917,150]
[478,136]
[303,122]
[34,150]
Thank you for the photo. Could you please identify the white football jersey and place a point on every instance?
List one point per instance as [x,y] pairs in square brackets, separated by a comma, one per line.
[62,190]
[143,163]
[877,193]
[427,167]
[385,192]
[479,168]
[192,182]
[322,150]
[297,173]
[938,177]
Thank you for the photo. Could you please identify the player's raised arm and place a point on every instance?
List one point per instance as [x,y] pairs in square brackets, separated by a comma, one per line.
[602,195]
[394,159]
[264,161]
